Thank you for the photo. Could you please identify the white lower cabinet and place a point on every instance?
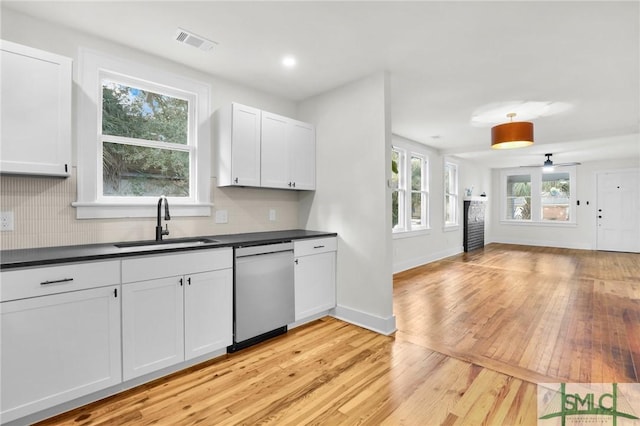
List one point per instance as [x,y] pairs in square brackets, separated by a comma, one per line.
[208,312]
[152,326]
[315,276]
[170,319]
[60,346]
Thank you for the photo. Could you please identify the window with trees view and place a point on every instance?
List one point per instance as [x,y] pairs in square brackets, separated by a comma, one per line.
[536,196]
[143,132]
[145,142]
[410,190]
[518,197]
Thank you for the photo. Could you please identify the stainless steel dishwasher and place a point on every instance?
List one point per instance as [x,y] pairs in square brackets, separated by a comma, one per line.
[263,293]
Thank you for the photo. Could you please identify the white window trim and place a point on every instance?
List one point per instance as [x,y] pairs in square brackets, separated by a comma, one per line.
[536,174]
[407,151]
[451,226]
[90,203]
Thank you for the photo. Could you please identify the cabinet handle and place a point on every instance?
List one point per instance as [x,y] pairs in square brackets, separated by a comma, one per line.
[115,292]
[296,261]
[181,282]
[315,247]
[294,184]
[189,280]
[64,280]
[235,180]
[289,184]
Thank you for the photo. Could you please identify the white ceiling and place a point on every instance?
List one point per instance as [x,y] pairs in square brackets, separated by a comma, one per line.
[445,60]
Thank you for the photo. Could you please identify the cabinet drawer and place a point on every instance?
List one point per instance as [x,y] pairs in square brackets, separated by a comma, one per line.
[170,265]
[33,282]
[314,246]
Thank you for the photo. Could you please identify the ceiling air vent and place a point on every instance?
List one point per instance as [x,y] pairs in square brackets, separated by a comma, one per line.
[187,37]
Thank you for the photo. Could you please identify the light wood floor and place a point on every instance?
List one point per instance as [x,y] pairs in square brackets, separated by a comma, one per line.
[476,332]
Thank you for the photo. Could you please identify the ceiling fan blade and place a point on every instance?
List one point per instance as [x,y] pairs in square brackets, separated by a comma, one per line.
[575,163]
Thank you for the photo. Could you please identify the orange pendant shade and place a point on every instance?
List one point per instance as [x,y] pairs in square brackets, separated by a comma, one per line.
[517,134]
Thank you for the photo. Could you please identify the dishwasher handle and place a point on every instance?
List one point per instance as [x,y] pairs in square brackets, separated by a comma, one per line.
[263,249]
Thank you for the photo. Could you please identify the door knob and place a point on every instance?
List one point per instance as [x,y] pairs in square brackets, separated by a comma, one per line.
[599,216]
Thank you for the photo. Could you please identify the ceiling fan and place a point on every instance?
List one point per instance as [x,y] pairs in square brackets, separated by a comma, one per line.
[548,164]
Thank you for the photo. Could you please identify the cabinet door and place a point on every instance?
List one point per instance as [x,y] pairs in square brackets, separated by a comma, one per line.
[275,152]
[36,111]
[245,146]
[59,347]
[302,151]
[152,325]
[315,284]
[208,312]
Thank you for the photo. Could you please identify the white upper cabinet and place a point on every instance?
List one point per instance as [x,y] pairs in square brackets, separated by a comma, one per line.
[35,111]
[275,151]
[302,148]
[288,153]
[238,145]
[285,149]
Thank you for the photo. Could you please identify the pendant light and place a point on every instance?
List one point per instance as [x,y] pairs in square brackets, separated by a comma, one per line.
[515,134]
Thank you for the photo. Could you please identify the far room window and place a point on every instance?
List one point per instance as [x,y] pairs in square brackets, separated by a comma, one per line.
[556,196]
[531,195]
[450,194]
[410,190]
[518,197]
[146,146]
[398,190]
[419,192]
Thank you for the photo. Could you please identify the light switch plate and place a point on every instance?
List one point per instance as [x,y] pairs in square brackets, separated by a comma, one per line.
[222,216]
[6,221]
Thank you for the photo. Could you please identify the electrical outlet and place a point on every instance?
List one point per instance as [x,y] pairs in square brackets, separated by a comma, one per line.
[272,215]
[222,216]
[6,221]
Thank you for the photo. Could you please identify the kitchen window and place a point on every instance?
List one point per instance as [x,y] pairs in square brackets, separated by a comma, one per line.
[153,139]
[146,149]
[534,196]
[450,194]
[410,190]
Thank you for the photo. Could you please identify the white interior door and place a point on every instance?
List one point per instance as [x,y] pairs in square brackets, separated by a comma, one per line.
[618,218]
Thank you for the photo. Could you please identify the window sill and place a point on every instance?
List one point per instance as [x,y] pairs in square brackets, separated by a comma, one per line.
[410,234]
[451,228]
[95,210]
[549,223]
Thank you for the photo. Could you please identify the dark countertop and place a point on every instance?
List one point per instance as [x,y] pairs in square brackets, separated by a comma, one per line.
[10,259]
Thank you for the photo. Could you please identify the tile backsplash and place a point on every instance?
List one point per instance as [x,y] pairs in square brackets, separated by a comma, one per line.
[44,217]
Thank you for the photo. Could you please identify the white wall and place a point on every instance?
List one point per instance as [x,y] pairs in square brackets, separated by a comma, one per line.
[415,249]
[42,211]
[352,154]
[580,236]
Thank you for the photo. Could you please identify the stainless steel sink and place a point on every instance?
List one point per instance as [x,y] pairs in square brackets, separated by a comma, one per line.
[169,243]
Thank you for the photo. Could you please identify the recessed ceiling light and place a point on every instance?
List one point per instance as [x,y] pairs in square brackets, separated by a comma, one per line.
[289,61]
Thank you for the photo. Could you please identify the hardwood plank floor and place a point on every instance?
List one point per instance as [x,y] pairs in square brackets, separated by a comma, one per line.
[476,332]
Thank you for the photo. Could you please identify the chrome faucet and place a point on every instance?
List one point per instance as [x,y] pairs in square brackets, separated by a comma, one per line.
[159,231]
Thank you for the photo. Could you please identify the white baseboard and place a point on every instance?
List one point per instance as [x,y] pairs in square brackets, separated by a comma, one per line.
[423,260]
[538,243]
[380,325]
